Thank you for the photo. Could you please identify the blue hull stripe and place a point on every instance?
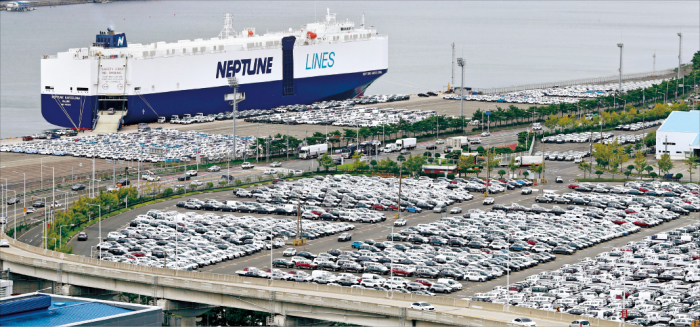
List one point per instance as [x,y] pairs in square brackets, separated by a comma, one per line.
[210,100]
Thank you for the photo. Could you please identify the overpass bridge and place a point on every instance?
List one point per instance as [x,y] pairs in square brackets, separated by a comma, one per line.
[287,301]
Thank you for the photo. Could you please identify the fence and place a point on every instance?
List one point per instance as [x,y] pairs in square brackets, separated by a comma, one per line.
[595,80]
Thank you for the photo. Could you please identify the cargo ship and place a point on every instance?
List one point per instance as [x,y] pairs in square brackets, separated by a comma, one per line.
[327,60]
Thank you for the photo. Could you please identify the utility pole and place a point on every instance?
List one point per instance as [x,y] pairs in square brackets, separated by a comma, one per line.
[233,83]
[680,49]
[620,45]
[453,66]
[653,71]
[460,62]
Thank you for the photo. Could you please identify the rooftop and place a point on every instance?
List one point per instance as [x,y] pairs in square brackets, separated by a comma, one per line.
[682,121]
[47,310]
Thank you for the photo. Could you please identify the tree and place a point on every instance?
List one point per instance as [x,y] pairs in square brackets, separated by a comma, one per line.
[551,122]
[401,158]
[585,167]
[513,166]
[692,163]
[325,161]
[465,163]
[664,164]
[640,162]
[492,162]
[653,175]
[373,163]
[168,192]
[222,182]
[480,149]
[501,172]
[210,185]
[414,164]
[537,169]
[598,172]
[525,173]
[180,190]
[630,168]
[628,173]
[650,139]
[648,169]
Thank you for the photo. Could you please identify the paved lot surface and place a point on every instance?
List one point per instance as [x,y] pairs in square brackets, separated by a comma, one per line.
[379,231]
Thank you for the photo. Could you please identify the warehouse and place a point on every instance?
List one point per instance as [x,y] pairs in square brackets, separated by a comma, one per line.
[679,136]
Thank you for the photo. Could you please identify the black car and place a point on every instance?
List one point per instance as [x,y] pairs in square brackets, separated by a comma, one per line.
[282,263]
[78,187]
[123,182]
[39,204]
[82,236]
[12,201]
[183,178]
[562,250]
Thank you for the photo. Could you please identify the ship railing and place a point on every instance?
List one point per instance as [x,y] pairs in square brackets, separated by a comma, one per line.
[49,57]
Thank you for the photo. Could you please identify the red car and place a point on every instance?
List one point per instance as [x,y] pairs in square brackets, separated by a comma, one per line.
[630,211]
[394,208]
[305,265]
[531,242]
[401,272]
[641,224]
[138,254]
[619,222]
[573,186]
[641,189]
[378,207]
[424,282]
[317,213]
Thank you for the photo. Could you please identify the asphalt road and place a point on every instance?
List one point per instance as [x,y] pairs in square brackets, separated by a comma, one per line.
[379,231]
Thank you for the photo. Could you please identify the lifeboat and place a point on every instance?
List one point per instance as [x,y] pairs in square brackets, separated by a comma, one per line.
[311,35]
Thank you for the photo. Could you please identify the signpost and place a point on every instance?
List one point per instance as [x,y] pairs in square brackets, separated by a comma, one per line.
[624,313]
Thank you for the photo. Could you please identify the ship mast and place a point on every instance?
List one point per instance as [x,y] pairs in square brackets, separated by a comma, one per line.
[227,31]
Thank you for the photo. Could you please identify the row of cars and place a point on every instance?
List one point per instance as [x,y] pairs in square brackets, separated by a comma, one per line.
[189,240]
[158,145]
[345,116]
[654,280]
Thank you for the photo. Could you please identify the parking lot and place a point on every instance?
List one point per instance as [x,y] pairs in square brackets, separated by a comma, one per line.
[378,232]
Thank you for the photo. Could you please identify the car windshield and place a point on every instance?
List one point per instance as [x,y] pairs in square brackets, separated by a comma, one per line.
[425,304]
[525,319]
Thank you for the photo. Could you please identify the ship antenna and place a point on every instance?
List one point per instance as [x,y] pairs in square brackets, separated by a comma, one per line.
[227,31]
[363,20]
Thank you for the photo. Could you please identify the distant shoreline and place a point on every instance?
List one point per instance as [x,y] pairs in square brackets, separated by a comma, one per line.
[49,3]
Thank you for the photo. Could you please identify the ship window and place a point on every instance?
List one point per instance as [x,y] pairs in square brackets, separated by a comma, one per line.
[84,89]
[138,88]
[48,87]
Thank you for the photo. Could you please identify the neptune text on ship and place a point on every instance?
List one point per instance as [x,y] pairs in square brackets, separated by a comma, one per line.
[327,60]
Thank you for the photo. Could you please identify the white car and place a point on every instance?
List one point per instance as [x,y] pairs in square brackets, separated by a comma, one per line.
[400,222]
[423,306]
[214,168]
[290,252]
[485,134]
[191,173]
[439,141]
[456,210]
[4,244]
[197,183]
[270,171]
[523,321]
[276,164]
[488,201]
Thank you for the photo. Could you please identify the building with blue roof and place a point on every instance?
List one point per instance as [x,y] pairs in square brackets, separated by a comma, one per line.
[37,309]
[679,136]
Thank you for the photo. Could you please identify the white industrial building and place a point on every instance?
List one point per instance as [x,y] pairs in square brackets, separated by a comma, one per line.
[679,136]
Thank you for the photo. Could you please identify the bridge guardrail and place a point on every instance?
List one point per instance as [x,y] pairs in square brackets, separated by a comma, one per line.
[107,269]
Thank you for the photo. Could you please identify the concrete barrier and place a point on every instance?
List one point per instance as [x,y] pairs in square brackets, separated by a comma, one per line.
[217,283]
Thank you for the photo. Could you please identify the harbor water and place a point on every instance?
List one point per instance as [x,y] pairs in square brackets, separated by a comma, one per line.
[503,43]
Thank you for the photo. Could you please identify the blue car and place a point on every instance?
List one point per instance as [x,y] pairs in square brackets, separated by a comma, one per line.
[357,244]
[414,209]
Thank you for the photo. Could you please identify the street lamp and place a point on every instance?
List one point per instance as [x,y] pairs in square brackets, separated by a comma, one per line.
[54,241]
[24,192]
[60,235]
[460,63]
[99,223]
[15,214]
[233,83]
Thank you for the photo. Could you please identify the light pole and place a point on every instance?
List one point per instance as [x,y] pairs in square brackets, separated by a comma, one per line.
[54,241]
[2,196]
[460,63]
[620,45]
[24,191]
[99,223]
[15,214]
[60,234]
[44,227]
[53,185]
[233,83]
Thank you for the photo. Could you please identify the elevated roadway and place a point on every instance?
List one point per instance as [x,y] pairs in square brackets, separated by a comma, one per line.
[286,300]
